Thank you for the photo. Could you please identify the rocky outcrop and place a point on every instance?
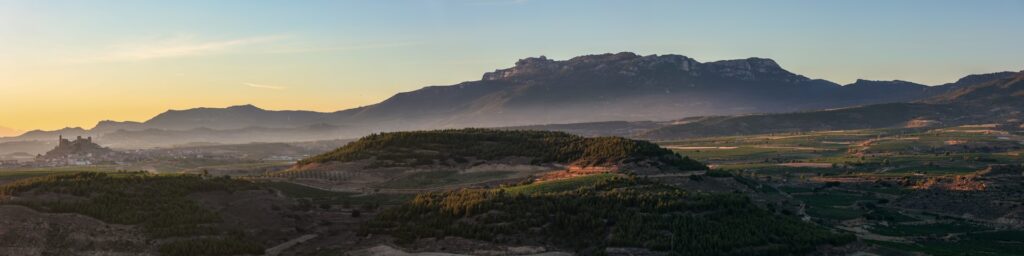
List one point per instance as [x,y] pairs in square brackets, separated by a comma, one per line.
[631,64]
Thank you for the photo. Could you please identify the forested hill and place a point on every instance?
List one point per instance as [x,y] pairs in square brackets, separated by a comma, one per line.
[461,145]
[606,211]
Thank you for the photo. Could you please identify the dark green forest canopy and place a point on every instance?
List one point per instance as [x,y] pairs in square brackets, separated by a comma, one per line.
[615,212]
[489,144]
[156,203]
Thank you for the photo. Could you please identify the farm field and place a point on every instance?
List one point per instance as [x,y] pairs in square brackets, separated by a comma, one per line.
[910,190]
[9,175]
[877,152]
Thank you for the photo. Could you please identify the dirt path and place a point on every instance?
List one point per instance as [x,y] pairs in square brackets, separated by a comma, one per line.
[286,245]
[791,147]
[865,234]
[684,174]
[811,165]
[745,146]
[700,147]
[384,250]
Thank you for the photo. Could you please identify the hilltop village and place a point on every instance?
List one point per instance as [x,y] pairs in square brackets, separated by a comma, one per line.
[81,151]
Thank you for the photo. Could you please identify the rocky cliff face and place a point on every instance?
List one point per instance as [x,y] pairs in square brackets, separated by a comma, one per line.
[630,64]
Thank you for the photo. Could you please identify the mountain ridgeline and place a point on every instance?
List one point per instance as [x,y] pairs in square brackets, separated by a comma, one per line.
[624,86]
[994,101]
[452,147]
[592,88]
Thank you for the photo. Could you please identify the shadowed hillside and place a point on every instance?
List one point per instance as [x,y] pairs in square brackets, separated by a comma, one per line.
[994,101]
[444,146]
[874,116]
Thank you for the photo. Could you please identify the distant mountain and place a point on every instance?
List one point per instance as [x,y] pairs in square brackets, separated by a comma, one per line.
[1004,93]
[159,137]
[235,117]
[977,79]
[1000,100]
[51,135]
[622,86]
[536,91]
[592,88]
[30,147]
[594,129]
[866,117]
[885,92]
[4,131]
[989,101]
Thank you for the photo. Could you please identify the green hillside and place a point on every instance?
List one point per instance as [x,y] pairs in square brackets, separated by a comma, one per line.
[458,146]
[608,211]
[156,203]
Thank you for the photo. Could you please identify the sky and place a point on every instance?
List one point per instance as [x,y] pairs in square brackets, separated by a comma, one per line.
[74,63]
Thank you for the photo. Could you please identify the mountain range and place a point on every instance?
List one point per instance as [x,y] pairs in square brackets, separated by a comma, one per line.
[661,90]
[999,101]
[4,131]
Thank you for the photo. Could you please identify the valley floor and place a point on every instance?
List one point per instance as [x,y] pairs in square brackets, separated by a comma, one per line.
[949,191]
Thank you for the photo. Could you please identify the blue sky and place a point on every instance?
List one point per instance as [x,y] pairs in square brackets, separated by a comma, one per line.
[138,58]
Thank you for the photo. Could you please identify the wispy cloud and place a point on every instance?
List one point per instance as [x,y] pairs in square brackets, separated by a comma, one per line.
[264,86]
[191,46]
[172,47]
[346,47]
[497,2]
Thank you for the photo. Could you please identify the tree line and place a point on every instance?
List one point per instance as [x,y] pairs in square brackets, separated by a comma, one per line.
[156,203]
